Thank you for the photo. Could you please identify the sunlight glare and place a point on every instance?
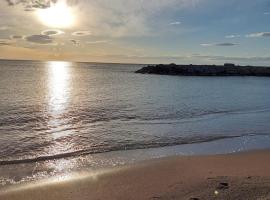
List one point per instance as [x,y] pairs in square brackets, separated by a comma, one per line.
[58,15]
[59,76]
[59,86]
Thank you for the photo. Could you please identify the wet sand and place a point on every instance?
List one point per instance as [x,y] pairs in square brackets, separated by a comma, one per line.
[233,176]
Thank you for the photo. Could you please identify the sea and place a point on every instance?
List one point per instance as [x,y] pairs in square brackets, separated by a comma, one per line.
[58,117]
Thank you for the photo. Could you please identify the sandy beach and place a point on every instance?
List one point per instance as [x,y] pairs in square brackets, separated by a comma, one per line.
[234,176]
[134,100]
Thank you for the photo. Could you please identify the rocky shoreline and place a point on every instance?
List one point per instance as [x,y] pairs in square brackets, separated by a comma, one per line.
[205,70]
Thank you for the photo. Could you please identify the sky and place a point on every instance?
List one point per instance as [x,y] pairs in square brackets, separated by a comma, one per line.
[141,31]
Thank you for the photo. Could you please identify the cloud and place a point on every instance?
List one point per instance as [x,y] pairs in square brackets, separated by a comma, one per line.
[97,42]
[32,5]
[232,36]
[122,18]
[207,45]
[16,37]
[5,42]
[235,58]
[225,44]
[75,42]
[261,34]
[4,28]
[52,32]
[199,58]
[266,13]
[29,9]
[81,33]
[175,23]
[39,39]
[128,18]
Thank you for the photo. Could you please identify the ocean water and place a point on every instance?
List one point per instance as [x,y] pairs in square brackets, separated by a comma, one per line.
[55,110]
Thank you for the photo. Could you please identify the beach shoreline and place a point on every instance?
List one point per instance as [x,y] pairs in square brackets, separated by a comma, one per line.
[244,175]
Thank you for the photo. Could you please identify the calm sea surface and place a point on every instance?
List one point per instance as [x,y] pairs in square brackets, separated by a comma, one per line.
[58,109]
[61,117]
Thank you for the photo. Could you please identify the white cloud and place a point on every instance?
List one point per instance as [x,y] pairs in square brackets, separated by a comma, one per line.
[175,23]
[52,32]
[261,34]
[266,13]
[207,45]
[232,36]
[97,42]
[81,33]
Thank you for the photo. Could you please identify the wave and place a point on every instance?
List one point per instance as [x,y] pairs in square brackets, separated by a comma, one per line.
[197,117]
[161,142]
[15,119]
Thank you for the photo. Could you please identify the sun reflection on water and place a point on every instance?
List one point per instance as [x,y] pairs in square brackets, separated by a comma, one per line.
[59,89]
[59,85]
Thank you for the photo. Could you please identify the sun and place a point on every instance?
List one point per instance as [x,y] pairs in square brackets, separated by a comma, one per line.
[58,15]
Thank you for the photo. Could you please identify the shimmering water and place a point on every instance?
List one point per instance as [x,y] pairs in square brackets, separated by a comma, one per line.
[59,109]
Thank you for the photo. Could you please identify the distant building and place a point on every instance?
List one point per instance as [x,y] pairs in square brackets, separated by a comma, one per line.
[229,65]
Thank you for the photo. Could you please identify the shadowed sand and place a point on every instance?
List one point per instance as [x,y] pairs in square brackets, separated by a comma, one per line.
[235,176]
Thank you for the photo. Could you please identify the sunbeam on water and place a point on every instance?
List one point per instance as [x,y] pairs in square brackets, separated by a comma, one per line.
[59,77]
[58,94]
